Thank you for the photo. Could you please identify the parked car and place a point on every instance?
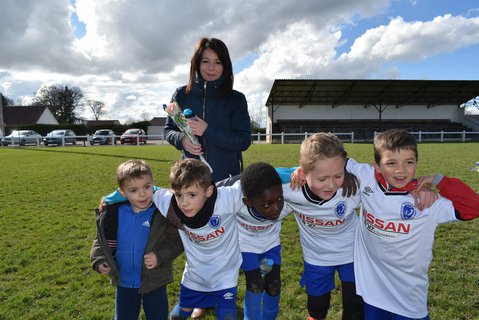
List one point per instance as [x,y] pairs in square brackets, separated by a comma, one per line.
[102,136]
[57,137]
[22,137]
[131,135]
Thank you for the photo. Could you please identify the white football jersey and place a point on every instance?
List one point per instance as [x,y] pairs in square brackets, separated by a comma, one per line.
[212,252]
[326,227]
[393,247]
[256,234]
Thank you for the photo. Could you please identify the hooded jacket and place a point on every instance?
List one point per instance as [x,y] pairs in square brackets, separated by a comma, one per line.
[229,128]
[164,241]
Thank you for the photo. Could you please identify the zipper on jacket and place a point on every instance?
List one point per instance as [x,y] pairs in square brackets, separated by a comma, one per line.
[204,116]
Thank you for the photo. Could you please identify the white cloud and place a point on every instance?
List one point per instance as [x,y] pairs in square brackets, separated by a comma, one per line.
[412,41]
[143,50]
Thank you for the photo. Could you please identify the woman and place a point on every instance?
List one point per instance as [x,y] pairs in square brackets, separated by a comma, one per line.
[222,121]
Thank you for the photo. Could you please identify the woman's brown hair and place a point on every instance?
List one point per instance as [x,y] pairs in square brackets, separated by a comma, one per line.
[221,50]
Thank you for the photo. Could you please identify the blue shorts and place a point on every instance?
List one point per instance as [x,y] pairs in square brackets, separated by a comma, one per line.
[221,299]
[319,280]
[251,260]
[373,313]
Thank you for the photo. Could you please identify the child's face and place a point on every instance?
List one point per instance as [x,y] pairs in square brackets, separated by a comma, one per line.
[191,199]
[326,177]
[269,203]
[397,167]
[139,192]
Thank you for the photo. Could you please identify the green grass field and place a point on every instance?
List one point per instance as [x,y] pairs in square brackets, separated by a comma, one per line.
[47,225]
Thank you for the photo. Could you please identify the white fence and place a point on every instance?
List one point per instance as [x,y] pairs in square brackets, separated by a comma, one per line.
[282,138]
[421,136]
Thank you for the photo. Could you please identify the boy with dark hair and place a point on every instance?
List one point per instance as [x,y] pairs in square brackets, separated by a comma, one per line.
[259,223]
[393,245]
[136,245]
[210,238]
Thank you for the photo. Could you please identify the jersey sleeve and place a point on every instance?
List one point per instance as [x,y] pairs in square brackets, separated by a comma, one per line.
[114,197]
[162,199]
[464,199]
[231,198]
[285,173]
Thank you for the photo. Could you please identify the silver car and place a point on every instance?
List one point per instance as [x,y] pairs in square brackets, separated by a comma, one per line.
[102,136]
[22,137]
[60,137]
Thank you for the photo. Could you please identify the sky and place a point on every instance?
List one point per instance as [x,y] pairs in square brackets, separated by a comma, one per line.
[133,55]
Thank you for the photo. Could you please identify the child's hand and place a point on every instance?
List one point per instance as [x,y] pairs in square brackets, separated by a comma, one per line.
[102,205]
[425,181]
[296,181]
[104,268]
[150,260]
[424,197]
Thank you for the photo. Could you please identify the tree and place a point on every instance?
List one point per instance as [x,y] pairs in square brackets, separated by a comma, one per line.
[62,101]
[97,107]
[6,101]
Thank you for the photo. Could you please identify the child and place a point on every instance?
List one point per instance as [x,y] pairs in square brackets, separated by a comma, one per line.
[259,223]
[324,209]
[210,238]
[393,247]
[136,245]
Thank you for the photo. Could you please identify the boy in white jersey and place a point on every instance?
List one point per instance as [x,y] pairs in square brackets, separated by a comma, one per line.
[324,209]
[210,239]
[259,224]
[393,246]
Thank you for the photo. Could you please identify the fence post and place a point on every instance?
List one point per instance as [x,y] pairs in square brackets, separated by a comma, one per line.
[463,136]
[420,137]
[352,137]
[282,137]
[259,138]
[442,136]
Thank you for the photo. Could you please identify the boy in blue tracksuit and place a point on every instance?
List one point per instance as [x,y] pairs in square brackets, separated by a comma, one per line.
[135,246]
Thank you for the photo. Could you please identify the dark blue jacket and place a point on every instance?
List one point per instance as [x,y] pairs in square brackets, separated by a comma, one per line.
[229,129]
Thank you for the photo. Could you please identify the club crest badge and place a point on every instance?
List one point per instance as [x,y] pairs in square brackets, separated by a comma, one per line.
[215,221]
[408,211]
[340,209]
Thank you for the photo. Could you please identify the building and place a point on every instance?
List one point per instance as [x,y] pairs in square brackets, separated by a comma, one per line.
[20,116]
[156,127]
[366,106]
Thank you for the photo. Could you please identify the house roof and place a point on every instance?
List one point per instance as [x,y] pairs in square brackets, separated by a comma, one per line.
[100,123]
[158,121]
[21,116]
[372,92]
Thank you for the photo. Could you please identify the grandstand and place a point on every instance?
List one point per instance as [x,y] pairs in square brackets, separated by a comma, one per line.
[367,106]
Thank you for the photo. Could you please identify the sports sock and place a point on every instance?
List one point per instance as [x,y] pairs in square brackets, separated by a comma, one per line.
[178,314]
[252,305]
[270,306]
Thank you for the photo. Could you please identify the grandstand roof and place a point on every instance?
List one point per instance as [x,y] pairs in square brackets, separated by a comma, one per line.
[372,92]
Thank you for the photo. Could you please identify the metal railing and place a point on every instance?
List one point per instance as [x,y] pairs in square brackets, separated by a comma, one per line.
[281,138]
[421,136]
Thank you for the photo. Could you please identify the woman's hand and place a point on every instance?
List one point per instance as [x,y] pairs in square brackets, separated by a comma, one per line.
[198,126]
[192,148]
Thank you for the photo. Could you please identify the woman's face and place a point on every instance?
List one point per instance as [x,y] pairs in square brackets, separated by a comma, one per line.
[211,67]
